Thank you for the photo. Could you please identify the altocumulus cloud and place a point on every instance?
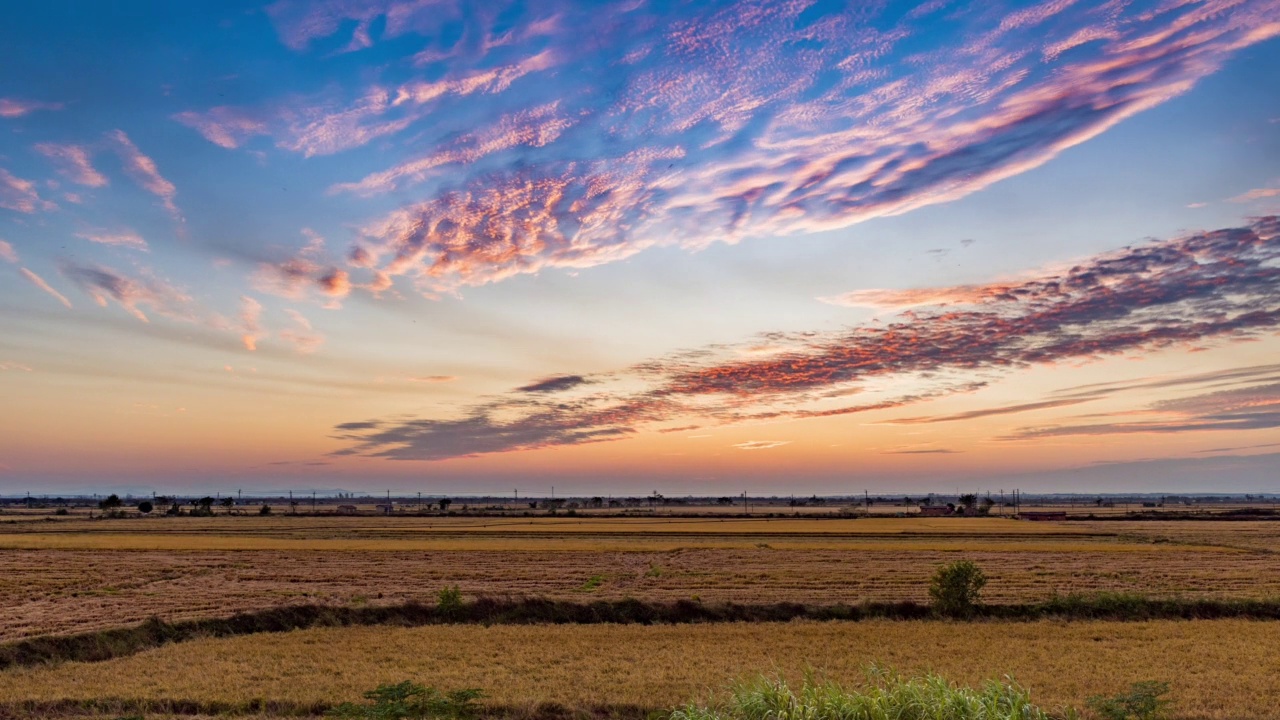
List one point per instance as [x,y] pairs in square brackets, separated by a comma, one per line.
[718,120]
[1187,291]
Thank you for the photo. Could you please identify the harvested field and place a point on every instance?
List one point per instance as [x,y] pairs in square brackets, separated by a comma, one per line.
[1218,669]
[77,575]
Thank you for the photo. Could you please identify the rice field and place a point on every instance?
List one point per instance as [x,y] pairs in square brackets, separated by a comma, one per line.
[78,575]
[71,574]
[1218,669]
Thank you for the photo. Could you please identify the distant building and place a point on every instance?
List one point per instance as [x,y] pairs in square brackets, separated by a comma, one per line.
[935,510]
[1043,515]
[346,509]
[387,509]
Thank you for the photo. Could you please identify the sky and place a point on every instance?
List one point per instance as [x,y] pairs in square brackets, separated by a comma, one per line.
[804,246]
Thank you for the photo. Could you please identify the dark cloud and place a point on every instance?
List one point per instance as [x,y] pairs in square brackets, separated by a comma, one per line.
[1255,407]
[985,412]
[1202,288]
[554,384]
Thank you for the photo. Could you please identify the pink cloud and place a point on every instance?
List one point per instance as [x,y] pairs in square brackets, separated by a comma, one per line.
[223,126]
[131,293]
[39,282]
[15,108]
[7,253]
[20,195]
[1256,194]
[300,334]
[250,322]
[124,238]
[143,170]
[73,163]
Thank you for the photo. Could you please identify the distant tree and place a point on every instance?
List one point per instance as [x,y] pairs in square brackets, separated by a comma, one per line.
[444,504]
[145,507]
[174,509]
[970,502]
[597,502]
[265,509]
[955,587]
[111,502]
[987,504]
[228,503]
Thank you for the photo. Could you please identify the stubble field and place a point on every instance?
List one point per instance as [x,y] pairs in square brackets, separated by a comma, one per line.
[73,575]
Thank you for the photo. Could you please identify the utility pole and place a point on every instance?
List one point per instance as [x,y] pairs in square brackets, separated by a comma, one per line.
[313,502]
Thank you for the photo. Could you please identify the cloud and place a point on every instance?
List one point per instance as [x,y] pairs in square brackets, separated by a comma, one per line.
[554,384]
[131,293]
[143,170]
[20,195]
[16,108]
[1256,194]
[73,163]
[1253,407]
[14,366]
[1185,292]
[123,238]
[434,379]
[7,253]
[300,334]
[761,444]
[250,322]
[720,124]
[930,451]
[307,270]
[899,299]
[223,126]
[39,282]
[987,412]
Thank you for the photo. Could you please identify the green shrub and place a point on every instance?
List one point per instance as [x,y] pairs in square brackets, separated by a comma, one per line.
[955,587]
[409,700]
[449,601]
[1142,702]
[886,697]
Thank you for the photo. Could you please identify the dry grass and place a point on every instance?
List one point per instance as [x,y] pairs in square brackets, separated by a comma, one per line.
[1218,669]
[71,576]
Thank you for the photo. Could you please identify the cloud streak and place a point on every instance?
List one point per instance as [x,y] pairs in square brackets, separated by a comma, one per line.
[15,108]
[73,163]
[39,282]
[133,294]
[1184,292]
[142,169]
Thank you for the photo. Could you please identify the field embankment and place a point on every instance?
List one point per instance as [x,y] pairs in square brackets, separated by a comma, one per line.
[121,642]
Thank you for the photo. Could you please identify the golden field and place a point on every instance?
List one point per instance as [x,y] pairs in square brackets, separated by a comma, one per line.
[1218,669]
[71,575]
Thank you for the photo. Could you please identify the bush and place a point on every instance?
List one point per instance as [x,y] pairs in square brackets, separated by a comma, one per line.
[1142,702]
[265,509]
[886,697]
[407,700]
[145,507]
[955,587]
[449,601]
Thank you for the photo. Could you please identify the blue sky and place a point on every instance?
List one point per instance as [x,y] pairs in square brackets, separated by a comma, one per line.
[791,246]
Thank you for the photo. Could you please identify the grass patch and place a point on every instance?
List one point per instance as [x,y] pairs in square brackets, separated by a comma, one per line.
[884,697]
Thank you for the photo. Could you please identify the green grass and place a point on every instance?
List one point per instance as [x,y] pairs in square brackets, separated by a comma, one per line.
[885,697]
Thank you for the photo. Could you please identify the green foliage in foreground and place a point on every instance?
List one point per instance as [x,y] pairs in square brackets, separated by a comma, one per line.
[410,701]
[885,697]
[1142,702]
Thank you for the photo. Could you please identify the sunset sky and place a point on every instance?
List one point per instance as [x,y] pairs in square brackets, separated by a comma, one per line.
[454,246]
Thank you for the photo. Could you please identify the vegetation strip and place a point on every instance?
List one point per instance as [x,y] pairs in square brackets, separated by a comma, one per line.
[121,642]
[113,707]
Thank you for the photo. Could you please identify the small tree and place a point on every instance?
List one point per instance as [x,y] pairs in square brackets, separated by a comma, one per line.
[228,503]
[444,504]
[410,701]
[111,502]
[265,509]
[449,601]
[955,588]
[145,507]
[970,502]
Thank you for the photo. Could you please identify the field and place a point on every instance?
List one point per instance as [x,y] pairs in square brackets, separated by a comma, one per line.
[67,574]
